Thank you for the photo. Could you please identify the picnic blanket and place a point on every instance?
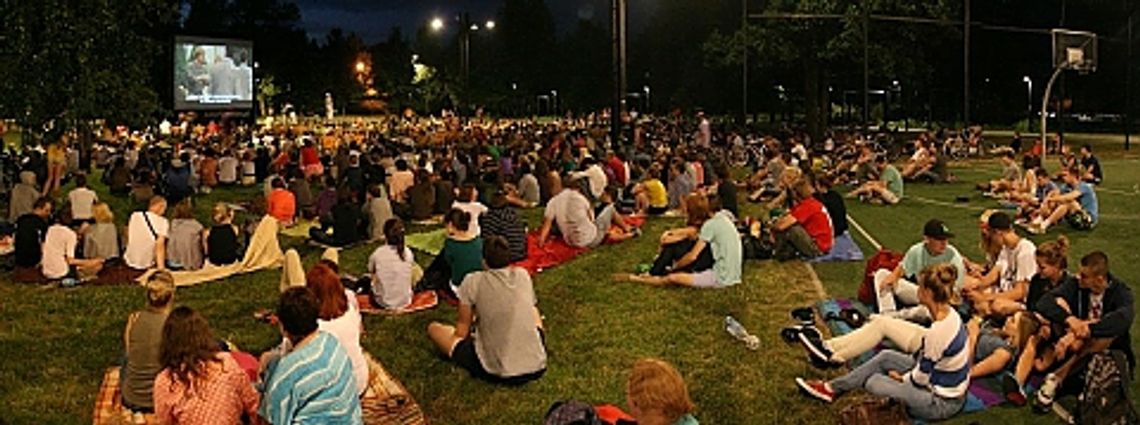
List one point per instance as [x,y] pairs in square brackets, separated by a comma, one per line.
[843,248]
[983,393]
[555,252]
[300,229]
[109,404]
[387,401]
[429,242]
[264,252]
[420,301]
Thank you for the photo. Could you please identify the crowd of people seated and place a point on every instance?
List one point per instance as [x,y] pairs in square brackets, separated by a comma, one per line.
[950,319]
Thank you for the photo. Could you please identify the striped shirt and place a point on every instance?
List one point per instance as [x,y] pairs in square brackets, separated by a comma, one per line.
[505,222]
[943,361]
[311,385]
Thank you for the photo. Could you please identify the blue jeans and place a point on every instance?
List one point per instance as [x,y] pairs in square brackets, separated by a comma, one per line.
[872,376]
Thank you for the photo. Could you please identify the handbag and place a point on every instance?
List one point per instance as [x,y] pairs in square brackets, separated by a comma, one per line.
[874,411]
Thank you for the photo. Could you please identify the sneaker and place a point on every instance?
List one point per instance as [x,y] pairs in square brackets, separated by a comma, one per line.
[816,388]
[816,349]
[1044,401]
[1013,390]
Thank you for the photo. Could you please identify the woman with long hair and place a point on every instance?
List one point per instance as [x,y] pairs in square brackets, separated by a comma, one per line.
[199,383]
[339,315]
[393,268]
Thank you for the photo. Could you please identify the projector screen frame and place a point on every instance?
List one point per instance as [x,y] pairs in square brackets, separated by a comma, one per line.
[181,104]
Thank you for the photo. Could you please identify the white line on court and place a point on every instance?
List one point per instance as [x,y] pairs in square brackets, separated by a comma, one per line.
[878,246]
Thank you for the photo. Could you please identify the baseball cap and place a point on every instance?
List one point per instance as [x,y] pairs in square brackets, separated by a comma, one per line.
[999,221]
[936,229]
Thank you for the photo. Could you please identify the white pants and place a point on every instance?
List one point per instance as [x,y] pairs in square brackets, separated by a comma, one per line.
[906,293]
[905,335]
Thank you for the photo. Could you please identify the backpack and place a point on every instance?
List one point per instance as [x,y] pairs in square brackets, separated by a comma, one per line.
[1105,398]
[571,412]
[884,259]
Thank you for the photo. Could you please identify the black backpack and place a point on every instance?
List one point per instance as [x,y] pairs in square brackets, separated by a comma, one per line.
[571,412]
[1105,399]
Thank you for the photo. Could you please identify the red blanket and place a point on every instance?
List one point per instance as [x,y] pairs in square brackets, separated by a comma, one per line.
[557,251]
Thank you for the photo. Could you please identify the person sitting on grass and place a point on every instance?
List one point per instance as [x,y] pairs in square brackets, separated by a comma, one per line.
[468,201]
[650,195]
[1028,204]
[221,240]
[23,196]
[832,202]
[393,269]
[1096,312]
[681,184]
[184,247]
[502,220]
[379,210]
[199,383]
[143,343]
[675,244]
[311,380]
[1002,291]
[146,237]
[31,228]
[1010,176]
[506,344]
[726,190]
[462,253]
[339,315]
[888,189]
[59,260]
[345,223]
[921,161]
[932,385]
[82,199]
[719,232]
[1090,166]
[1076,202]
[894,289]
[805,231]
[101,240]
[1026,188]
[421,198]
[656,394]
[281,203]
[571,211]
[1037,354]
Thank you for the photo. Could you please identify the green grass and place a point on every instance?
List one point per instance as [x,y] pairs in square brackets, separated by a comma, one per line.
[56,342]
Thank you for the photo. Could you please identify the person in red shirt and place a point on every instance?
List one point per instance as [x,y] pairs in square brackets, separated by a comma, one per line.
[615,164]
[311,160]
[281,203]
[806,230]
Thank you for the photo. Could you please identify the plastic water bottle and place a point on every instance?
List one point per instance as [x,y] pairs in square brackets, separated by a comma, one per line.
[737,331]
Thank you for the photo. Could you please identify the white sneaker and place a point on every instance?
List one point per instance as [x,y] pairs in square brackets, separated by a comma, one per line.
[1046,392]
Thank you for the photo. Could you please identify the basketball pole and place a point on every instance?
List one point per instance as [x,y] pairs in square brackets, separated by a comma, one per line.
[1044,117]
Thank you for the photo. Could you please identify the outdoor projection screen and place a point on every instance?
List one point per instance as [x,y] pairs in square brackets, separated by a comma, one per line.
[212,74]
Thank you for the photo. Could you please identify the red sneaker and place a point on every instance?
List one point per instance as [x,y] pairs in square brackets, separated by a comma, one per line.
[817,389]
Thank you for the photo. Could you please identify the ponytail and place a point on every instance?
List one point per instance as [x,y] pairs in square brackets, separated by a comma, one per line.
[460,219]
[394,236]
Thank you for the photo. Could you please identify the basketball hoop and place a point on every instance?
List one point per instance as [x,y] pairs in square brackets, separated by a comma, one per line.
[1072,50]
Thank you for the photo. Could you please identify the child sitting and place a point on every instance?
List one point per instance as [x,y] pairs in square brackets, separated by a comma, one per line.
[221,240]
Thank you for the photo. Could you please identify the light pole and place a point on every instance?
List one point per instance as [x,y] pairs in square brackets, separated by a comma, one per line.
[466,27]
[1029,102]
[646,89]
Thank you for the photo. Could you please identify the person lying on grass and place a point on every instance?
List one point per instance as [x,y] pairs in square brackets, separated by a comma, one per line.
[199,384]
[498,336]
[1037,354]
[805,231]
[717,231]
[895,290]
[310,378]
[1002,291]
[993,349]
[142,342]
[888,189]
[1076,202]
[931,386]
[1096,311]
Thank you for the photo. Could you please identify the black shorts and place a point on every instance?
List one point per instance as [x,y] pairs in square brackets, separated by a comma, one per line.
[465,356]
[657,210]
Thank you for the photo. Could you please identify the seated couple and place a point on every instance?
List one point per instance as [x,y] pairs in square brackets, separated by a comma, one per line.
[685,254]
[498,336]
[571,213]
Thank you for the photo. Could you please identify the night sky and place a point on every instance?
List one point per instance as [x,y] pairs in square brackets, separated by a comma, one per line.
[374,19]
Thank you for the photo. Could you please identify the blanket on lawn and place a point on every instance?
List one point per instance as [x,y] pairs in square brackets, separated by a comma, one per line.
[420,301]
[983,393]
[429,242]
[843,248]
[263,252]
[300,229]
[109,404]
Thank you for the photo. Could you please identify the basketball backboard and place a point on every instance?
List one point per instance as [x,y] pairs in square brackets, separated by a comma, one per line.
[1075,50]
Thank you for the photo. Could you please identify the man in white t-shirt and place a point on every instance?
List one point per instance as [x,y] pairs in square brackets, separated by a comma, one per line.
[228,168]
[571,211]
[82,199]
[1002,291]
[59,253]
[594,175]
[146,237]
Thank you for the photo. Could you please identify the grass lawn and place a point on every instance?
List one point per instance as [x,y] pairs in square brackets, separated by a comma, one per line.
[57,342]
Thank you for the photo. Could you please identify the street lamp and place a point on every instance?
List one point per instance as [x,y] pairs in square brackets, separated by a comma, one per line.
[360,67]
[1029,102]
[436,24]
[489,25]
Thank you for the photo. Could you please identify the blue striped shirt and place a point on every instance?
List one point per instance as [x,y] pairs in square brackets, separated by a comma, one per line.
[311,385]
[943,359]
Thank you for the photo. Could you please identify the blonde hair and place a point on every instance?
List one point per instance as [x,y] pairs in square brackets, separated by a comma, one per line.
[222,212]
[655,386]
[940,279]
[1055,253]
[102,213]
[1026,327]
[160,289]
